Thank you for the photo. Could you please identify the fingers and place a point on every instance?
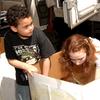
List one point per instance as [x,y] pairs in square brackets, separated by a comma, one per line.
[33,70]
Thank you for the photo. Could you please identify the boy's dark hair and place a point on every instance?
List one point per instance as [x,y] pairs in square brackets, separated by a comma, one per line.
[15,13]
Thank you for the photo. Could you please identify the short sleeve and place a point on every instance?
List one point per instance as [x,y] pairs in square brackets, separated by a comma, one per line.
[9,51]
[45,45]
[96,44]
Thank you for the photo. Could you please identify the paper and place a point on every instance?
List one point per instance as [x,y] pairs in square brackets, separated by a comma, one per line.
[47,88]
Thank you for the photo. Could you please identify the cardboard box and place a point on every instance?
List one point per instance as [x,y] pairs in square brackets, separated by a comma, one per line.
[1,45]
[52,88]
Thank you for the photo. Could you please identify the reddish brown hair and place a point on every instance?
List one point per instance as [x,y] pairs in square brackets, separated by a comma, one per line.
[75,43]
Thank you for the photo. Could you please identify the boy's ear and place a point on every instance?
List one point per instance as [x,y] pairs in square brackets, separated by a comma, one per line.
[13,28]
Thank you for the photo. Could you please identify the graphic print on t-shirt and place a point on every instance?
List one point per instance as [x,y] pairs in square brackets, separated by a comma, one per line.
[28,54]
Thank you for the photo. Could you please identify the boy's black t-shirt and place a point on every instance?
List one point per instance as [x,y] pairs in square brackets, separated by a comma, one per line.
[28,50]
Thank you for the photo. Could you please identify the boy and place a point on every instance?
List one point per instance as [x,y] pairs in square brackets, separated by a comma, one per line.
[24,46]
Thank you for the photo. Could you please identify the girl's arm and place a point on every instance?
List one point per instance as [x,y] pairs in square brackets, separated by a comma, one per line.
[46,66]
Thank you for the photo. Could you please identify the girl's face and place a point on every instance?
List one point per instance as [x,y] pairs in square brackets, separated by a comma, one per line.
[78,57]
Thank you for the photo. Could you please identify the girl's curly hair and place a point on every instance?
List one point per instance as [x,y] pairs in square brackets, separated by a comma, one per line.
[85,72]
[75,43]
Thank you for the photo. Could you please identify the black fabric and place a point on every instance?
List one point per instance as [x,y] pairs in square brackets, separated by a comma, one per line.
[36,46]
[42,11]
[21,77]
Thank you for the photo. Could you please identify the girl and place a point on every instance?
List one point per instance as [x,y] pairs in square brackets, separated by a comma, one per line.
[78,59]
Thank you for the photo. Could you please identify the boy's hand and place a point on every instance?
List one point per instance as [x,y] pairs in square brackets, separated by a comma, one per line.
[30,69]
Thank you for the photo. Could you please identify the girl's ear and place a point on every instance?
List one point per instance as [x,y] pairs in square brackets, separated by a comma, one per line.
[13,28]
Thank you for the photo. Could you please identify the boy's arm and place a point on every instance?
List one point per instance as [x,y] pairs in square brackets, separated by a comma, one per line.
[46,66]
[22,65]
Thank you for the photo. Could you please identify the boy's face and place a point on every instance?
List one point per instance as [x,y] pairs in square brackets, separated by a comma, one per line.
[25,27]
